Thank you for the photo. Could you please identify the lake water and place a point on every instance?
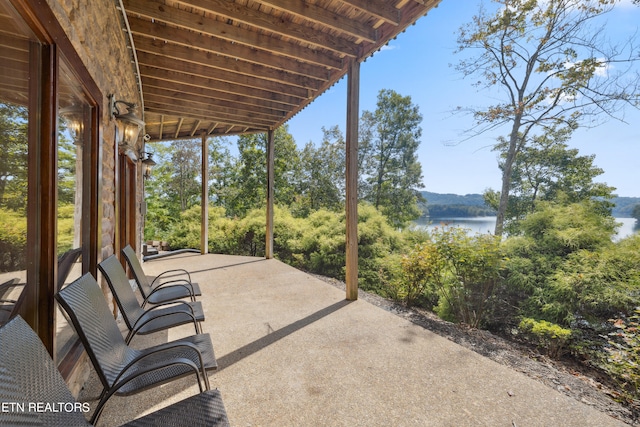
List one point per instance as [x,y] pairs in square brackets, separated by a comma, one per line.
[487,224]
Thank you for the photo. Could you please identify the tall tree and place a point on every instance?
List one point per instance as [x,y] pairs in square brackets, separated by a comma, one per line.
[175,182]
[251,180]
[391,168]
[546,169]
[552,67]
[13,161]
[222,171]
[322,173]
[186,170]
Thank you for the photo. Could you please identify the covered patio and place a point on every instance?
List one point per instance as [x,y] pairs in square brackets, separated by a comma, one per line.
[293,352]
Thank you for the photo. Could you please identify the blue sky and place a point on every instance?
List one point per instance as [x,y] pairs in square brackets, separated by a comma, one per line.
[418,62]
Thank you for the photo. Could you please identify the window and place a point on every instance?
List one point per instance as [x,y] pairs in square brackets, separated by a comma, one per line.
[74,119]
[16,46]
[49,168]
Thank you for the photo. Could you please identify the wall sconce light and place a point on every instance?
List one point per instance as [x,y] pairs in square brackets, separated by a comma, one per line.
[74,119]
[147,164]
[129,126]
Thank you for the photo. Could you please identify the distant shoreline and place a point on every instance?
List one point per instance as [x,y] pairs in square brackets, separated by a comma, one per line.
[439,205]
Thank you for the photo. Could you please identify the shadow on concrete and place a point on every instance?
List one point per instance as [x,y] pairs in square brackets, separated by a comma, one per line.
[220,267]
[257,345]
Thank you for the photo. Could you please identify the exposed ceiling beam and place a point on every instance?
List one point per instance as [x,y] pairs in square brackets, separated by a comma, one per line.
[157,61]
[233,115]
[226,48]
[196,113]
[214,106]
[176,90]
[383,10]
[212,128]
[178,127]
[208,59]
[315,14]
[196,126]
[183,19]
[277,25]
[204,82]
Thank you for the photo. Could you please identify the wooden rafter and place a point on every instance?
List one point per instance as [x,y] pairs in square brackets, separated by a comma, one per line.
[196,126]
[228,49]
[318,15]
[182,19]
[177,133]
[234,66]
[205,83]
[276,25]
[173,52]
[382,10]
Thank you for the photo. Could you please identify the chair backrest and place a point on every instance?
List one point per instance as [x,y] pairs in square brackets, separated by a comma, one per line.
[121,289]
[11,299]
[88,310]
[65,264]
[29,378]
[138,272]
[6,289]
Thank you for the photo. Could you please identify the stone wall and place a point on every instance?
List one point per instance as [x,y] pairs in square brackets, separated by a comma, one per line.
[95,29]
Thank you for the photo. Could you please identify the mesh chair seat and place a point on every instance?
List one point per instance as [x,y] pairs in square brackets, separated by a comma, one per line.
[122,369]
[139,320]
[204,409]
[28,376]
[159,291]
[29,381]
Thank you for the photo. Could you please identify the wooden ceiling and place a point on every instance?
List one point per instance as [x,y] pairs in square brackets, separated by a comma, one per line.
[244,66]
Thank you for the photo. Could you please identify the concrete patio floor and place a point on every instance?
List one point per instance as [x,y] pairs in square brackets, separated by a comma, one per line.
[293,352]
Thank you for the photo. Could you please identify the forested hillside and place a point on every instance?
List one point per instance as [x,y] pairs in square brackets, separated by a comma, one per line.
[624,206]
[454,205]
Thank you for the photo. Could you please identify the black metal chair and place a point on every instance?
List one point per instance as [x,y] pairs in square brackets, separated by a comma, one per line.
[28,378]
[159,291]
[65,264]
[11,296]
[156,318]
[122,369]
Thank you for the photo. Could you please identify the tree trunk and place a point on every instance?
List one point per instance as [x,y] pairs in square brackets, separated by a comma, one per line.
[506,175]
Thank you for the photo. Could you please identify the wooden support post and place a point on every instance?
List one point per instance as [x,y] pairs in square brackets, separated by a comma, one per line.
[270,182]
[351,203]
[204,224]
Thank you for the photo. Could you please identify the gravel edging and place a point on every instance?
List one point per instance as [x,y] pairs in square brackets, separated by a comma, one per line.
[566,380]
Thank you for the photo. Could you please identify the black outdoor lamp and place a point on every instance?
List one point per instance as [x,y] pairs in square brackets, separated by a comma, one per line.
[129,126]
[148,164]
[74,117]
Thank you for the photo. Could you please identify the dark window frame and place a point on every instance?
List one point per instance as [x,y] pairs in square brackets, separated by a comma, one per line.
[39,306]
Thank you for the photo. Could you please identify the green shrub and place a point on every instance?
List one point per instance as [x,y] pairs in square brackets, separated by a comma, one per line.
[376,240]
[185,233]
[456,272]
[473,264]
[250,234]
[545,271]
[13,241]
[66,228]
[423,273]
[553,338]
[390,277]
[322,244]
